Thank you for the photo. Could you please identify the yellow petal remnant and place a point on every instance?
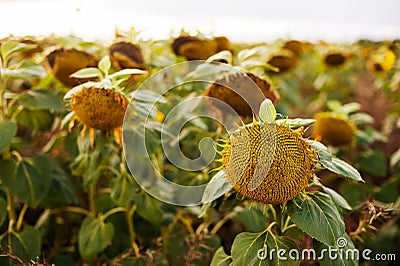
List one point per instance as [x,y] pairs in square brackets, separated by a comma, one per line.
[333,130]
[101,109]
[292,165]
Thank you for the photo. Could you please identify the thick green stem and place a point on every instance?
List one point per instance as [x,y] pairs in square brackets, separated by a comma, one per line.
[91,190]
[129,219]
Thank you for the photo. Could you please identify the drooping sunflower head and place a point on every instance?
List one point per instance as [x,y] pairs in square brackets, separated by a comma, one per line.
[126,55]
[194,48]
[295,46]
[64,62]
[98,108]
[284,60]
[335,59]
[268,162]
[332,129]
[234,90]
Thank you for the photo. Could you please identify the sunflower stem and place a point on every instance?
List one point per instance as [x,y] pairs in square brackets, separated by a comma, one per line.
[11,211]
[130,211]
[92,206]
[222,222]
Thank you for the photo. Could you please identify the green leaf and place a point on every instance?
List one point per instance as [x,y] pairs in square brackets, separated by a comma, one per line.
[105,65]
[62,189]
[8,130]
[90,72]
[317,215]
[123,189]
[10,47]
[361,118]
[94,236]
[389,191]
[267,111]
[348,251]
[216,187]
[127,72]
[251,64]
[334,164]
[221,259]
[223,56]
[148,96]
[374,163]
[249,249]
[296,122]
[25,71]
[29,180]
[42,99]
[356,193]
[40,120]
[149,208]
[3,210]
[337,198]
[25,244]
[253,218]
[349,108]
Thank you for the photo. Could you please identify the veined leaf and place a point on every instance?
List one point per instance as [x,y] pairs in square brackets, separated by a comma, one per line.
[94,236]
[334,164]
[10,47]
[255,249]
[90,72]
[221,259]
[216,187]
[317,215]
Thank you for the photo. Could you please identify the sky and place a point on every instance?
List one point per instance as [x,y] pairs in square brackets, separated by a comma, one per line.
[242,20]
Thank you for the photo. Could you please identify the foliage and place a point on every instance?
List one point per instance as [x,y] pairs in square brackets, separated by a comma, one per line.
[66,200]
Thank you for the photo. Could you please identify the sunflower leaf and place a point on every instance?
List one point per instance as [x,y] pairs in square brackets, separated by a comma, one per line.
[335,164]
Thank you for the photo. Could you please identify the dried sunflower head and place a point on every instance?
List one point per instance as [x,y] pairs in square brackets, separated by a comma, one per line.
[63,62]
[335,59]
[126,55]
[295,46]
[235,91]
[333,129]
[268,162]
[284,60]
[194,48]
[98,108]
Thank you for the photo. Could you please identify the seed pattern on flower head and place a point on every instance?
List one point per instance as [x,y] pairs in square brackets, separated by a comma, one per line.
[288,174]
[99,108]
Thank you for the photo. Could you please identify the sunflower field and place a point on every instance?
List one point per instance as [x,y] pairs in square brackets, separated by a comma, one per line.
[311,161]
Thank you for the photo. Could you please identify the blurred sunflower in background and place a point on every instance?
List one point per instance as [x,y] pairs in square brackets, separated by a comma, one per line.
[64,62]
[381,60]
[235,91]
[338,127]
[194,48]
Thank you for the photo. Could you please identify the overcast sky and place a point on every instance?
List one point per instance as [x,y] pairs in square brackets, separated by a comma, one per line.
[244,20]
